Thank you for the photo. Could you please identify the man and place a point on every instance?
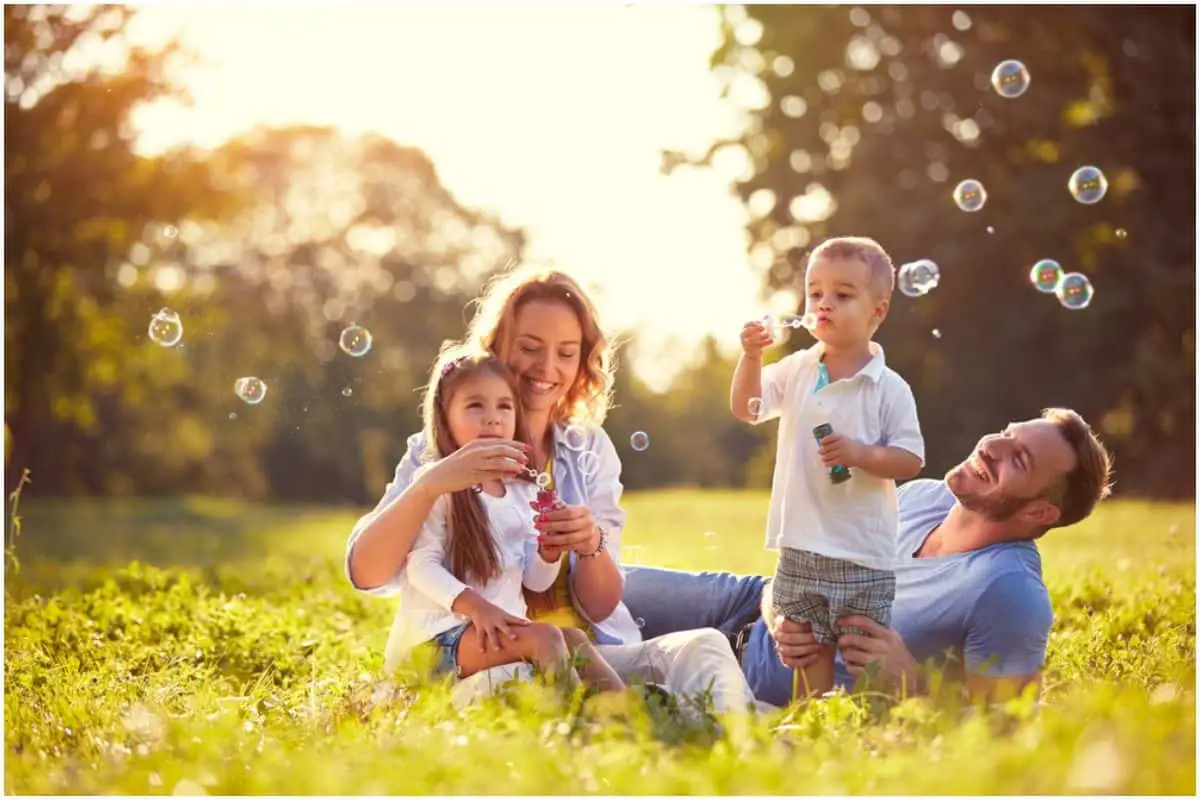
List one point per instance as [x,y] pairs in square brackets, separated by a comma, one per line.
[970,596]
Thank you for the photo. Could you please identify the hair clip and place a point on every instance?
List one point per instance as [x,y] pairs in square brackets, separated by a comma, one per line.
[452,364]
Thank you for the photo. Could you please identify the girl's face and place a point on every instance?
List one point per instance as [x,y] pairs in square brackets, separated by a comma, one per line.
[481,407]
[544,353]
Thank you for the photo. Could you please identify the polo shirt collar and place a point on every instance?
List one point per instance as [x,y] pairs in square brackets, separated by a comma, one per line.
[873,368]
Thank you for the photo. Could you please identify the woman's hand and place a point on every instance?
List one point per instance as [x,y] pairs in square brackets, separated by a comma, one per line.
[476,462]
[566,528]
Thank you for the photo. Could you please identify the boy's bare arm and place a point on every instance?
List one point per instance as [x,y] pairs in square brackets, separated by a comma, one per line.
[746,384]
[892,463]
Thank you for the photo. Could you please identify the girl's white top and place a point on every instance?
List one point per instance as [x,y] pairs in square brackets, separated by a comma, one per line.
[428,589]
[580,479]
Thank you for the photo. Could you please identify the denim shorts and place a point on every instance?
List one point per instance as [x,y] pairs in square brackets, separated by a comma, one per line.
[446,643]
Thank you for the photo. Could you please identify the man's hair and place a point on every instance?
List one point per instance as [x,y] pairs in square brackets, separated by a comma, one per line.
[1090,480]
[866,250]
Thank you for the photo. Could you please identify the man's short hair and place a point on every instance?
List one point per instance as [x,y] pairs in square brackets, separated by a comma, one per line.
[1090,481]
[866,250]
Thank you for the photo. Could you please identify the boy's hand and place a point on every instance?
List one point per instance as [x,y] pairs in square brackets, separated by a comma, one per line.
[836,449]
[755,338]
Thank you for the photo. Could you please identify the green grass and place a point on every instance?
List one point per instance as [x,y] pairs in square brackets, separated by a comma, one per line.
[233,658]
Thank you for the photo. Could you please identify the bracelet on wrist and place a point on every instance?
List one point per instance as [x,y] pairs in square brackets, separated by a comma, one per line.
[599,547]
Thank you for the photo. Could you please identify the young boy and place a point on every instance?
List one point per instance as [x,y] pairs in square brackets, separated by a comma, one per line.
[833,503]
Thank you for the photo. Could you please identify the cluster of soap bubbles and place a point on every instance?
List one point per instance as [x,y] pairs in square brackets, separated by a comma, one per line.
[576,439]
[1073,289]
[918,278]
[166,329]
[1087,185]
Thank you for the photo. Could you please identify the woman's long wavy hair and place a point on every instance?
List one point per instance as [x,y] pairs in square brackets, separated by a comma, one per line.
[493,329]
[471,548]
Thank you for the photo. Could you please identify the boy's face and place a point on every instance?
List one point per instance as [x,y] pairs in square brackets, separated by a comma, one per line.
[844,301]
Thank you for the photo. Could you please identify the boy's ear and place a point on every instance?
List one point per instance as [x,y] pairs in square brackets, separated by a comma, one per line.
[881,311]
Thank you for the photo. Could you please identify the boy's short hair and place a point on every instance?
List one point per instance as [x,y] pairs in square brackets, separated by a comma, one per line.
[866,250]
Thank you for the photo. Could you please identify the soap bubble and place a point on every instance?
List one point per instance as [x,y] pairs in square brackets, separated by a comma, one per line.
[1010,79]
[347,392]
[808,320]
[166,328]
[970,195]
[233,415]
[639,441]
[543,480]
[1088,185]
[355,341]
[1046,275]
[1075,291]
[918,278]
[937,334]
[754,406]
[251,390]
[1121,233]
[575,438]
[588,463]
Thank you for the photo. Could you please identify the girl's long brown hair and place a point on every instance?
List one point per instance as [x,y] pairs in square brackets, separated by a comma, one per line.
[471,548]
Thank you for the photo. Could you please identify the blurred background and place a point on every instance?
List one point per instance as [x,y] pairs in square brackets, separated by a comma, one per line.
[276,174]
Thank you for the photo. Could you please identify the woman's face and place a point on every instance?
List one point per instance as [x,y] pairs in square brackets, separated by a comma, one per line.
[544,353]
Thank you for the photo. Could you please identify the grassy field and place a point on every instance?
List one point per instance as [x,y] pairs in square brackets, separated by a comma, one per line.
[194,645]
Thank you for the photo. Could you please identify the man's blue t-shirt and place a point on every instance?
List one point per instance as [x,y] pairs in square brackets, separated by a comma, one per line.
[986,611]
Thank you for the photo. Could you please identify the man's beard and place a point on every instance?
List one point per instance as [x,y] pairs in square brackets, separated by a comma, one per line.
[999,507]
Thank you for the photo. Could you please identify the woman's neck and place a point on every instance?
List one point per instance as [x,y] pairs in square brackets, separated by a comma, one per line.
[538,424]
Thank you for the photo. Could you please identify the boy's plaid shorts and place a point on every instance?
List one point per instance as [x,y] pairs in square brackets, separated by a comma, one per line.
[809,587]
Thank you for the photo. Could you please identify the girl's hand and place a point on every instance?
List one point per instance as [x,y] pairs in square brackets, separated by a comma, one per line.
[491,623]
[477,462]
[567,528]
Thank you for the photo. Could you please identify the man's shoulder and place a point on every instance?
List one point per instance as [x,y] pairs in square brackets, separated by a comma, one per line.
[924,493]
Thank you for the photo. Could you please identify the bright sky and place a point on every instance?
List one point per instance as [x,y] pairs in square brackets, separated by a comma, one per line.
[551,117]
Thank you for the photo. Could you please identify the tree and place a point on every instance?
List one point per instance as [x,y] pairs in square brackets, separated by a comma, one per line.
[76,199]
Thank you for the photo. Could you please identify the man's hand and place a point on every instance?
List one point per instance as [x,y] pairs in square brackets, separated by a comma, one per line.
[837,449]
[880,646]
[794,641]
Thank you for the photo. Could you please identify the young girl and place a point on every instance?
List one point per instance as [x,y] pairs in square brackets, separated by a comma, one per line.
[479,546]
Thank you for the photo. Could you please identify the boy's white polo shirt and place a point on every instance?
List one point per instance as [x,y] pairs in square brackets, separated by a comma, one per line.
[856,520]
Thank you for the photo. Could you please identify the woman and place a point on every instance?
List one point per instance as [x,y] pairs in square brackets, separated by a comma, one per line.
[542,325]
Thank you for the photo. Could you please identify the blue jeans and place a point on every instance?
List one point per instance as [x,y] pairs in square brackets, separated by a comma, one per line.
[669,600]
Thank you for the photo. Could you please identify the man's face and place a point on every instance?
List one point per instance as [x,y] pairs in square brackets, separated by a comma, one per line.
[1008,473]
